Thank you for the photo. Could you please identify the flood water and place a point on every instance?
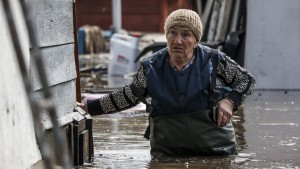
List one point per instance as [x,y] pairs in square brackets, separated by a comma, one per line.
[267,130]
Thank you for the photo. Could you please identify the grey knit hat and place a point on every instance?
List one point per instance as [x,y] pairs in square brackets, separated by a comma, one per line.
[187,18]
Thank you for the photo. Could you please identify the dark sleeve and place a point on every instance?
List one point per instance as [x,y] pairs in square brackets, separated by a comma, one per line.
[120,99]
[240,80]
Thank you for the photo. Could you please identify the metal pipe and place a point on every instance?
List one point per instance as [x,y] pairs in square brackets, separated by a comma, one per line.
[235,16]
[117,15]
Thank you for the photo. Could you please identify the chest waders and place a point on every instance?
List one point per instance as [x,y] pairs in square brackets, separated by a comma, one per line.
[191,134]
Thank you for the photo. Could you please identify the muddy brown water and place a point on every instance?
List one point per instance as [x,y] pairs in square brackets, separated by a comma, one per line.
[267,128]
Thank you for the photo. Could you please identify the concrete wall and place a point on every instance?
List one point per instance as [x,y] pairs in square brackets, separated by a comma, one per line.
[17,139]
[272,45]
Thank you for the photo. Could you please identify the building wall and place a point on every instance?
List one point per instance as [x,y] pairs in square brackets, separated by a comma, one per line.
[54,28]
[18,145]
[141,15]
[272,43]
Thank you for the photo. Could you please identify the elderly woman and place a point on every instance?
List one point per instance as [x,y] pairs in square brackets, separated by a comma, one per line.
[193,89]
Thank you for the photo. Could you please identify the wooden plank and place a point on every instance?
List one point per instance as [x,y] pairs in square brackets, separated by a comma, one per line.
[76,145]
[93,12]
[76,57]
[94,7]
[103,21]
[64,98]
[140,10]
[129,22]
[82,143]
[83,146]
[51,139]
[81,125]
[41,165]
[105,6]
[89,127]
[140,3]
[53,21]
[70,138]
[59,64]
[151,14]
[133,23]
[163,15]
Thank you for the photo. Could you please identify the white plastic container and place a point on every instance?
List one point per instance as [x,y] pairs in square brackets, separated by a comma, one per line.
[123,51]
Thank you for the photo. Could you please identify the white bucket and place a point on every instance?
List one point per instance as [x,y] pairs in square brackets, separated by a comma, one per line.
[123,51]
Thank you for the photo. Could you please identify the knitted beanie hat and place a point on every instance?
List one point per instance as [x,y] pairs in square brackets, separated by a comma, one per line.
[187,18]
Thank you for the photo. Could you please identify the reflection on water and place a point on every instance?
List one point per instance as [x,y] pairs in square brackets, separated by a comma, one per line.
[267,132]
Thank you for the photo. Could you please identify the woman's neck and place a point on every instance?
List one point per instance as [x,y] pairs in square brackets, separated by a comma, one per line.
[180,63]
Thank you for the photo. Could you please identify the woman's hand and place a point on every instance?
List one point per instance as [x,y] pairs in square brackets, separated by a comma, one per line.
[83,106]
[225,109]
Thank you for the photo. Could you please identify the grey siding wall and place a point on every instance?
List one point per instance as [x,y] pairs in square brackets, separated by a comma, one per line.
[54,27]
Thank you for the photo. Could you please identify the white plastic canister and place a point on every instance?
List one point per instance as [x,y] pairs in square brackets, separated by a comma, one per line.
[123,51]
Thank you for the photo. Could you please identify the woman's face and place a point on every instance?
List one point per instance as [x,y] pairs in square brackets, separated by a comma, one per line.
[181,43]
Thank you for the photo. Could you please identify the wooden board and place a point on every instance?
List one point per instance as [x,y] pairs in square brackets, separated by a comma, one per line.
[141,15]
[53,21]
[83,146]
[59,64]
[63,96]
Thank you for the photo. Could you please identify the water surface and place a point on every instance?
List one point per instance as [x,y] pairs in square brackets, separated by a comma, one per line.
[267,130]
